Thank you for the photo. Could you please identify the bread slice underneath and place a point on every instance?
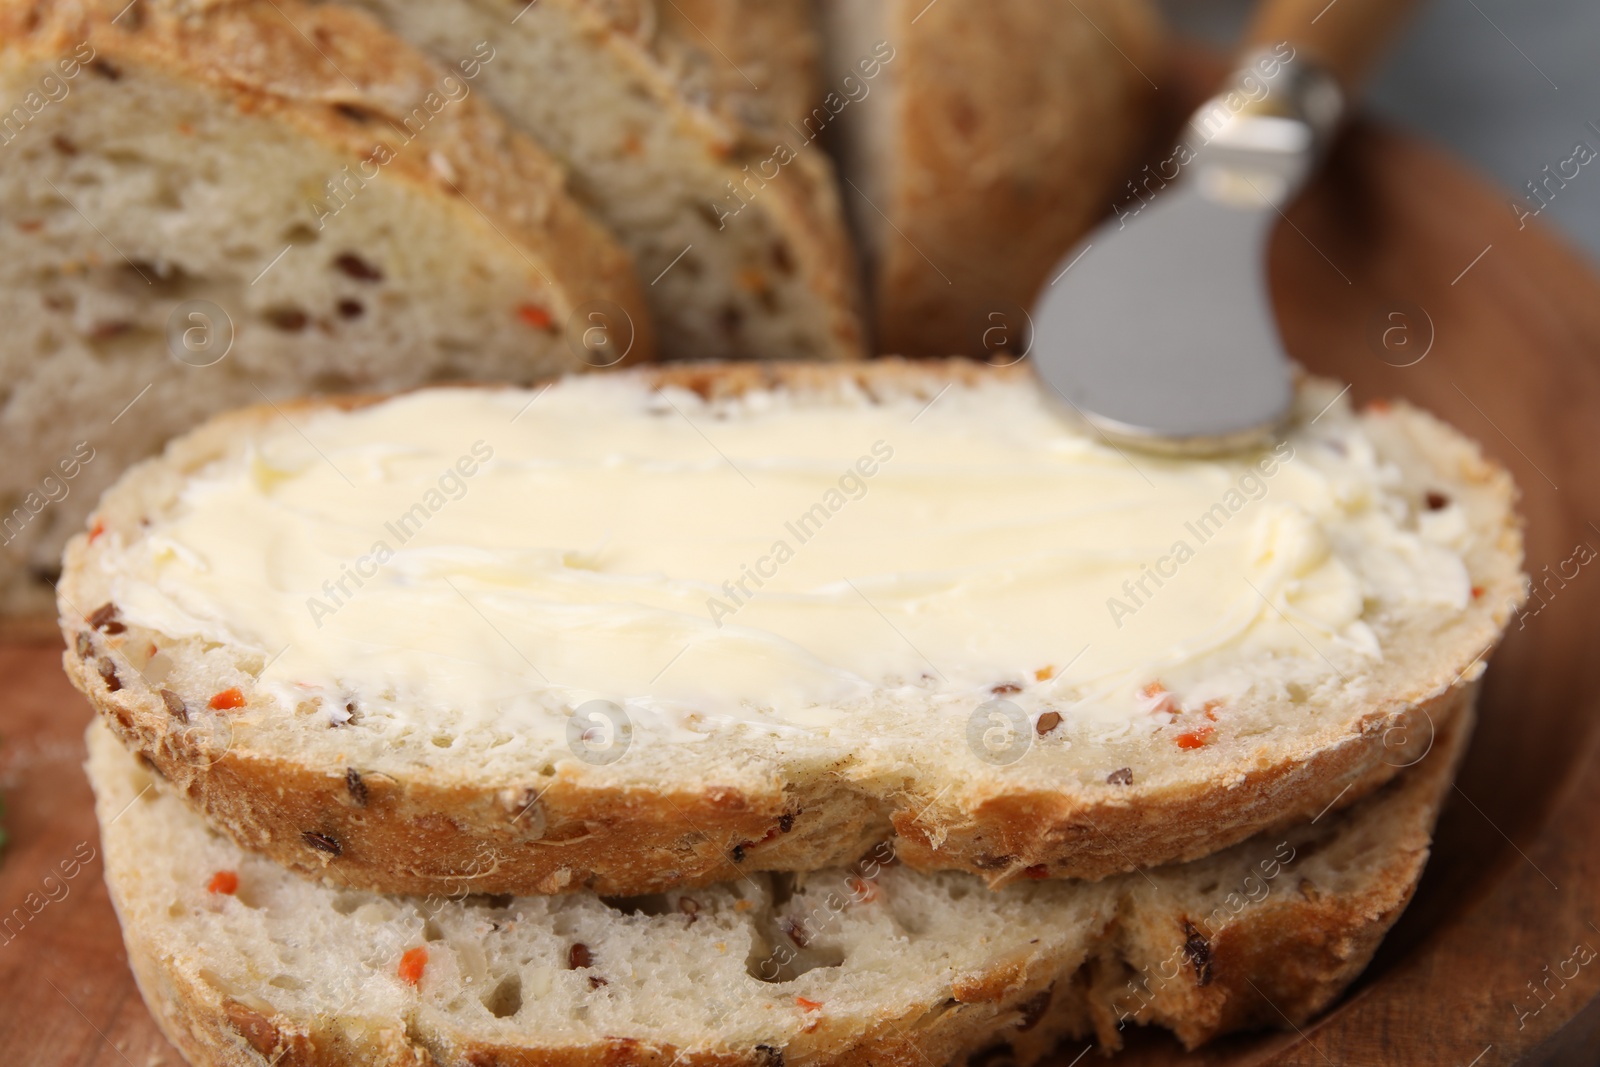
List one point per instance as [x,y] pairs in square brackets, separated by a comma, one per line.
[873,963]
[403,799]
[680,139]
[349,213]
[985,147]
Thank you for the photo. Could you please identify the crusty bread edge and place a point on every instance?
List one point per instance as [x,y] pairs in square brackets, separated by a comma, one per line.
[1294,952]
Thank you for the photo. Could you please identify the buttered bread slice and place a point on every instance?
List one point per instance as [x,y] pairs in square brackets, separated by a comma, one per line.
[638,630]
[870,962]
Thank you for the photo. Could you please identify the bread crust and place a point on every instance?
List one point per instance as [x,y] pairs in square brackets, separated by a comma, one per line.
[430,834]
[1278,960]
[338,78]
[1289,955]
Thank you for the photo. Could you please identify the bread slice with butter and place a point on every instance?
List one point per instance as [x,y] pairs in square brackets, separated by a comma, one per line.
[982,151]
[211,205]
[241,962]
[664,627]
[684,127]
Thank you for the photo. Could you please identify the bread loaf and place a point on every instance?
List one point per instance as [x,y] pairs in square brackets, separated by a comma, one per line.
[203,206]
[659,628]
[991,141]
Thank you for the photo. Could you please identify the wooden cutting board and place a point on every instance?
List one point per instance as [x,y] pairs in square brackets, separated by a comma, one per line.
[1397,256]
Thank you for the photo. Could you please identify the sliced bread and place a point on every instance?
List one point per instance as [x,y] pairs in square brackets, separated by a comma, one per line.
[651,628]
[674,120]
[995,138]
[208,205]
[244,964]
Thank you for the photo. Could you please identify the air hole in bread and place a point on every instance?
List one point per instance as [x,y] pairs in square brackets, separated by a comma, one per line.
[345,903]
[653,904]
[505,1000]
[777,960]
[783,887]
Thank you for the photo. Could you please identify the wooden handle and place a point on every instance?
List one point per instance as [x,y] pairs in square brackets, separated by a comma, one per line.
[1344,37]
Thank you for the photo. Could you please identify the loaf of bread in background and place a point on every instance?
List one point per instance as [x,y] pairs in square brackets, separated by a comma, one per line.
[871,962]
[205,208]
[981,141]
[678,122]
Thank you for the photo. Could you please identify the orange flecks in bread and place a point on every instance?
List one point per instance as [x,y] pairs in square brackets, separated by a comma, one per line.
[1161,701]
[631,144]
[751,280]
[1196,738]
[808,1004]
[1210,709]
[412,964]
[226,882]
[1378,406]
[863,889]
[1477,591]
[186,129]
[227,700]
[534,316]
[1044,674]
[30,225]
[96,530]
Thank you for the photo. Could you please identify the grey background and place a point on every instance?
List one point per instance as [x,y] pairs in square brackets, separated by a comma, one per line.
[1508,85]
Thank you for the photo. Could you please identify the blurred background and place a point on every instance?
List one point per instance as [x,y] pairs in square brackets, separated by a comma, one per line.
[1511,86]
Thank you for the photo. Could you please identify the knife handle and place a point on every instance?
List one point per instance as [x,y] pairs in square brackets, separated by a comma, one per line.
[1344,37]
